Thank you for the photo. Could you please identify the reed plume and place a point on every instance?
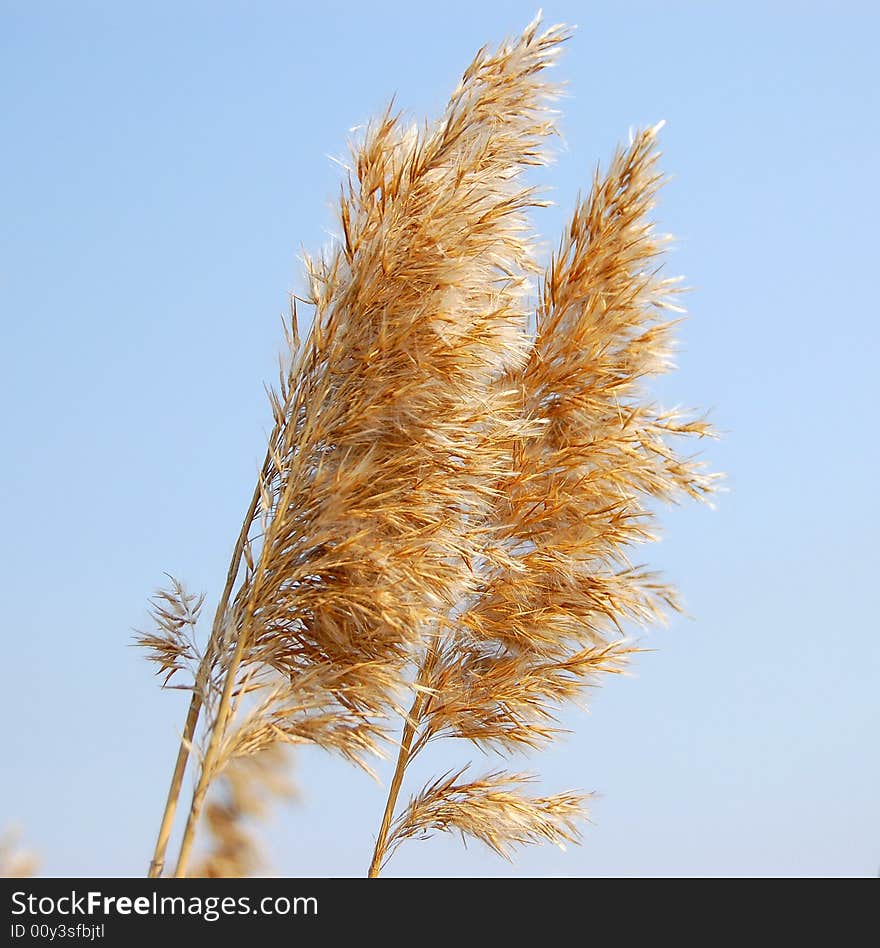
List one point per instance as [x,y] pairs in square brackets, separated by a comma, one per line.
[557,587]
[393,430]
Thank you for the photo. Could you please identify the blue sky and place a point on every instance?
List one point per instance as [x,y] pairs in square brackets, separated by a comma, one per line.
[162,165]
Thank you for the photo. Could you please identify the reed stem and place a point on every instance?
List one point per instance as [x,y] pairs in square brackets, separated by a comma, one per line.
[218,729]
[413,719]
[409,730]
[157,863]
[195,810]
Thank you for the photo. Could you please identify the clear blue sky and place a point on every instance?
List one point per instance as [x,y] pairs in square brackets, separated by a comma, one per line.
[161,166]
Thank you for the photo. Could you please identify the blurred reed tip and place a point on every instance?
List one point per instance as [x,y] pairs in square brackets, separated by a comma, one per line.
[241,798]
[15,862]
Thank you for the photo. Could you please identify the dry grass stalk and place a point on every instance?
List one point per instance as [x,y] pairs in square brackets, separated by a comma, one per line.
[557,587]
[166,825]
[393,429]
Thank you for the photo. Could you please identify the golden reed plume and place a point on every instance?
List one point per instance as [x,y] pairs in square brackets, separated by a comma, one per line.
[557,586]
[448,499]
